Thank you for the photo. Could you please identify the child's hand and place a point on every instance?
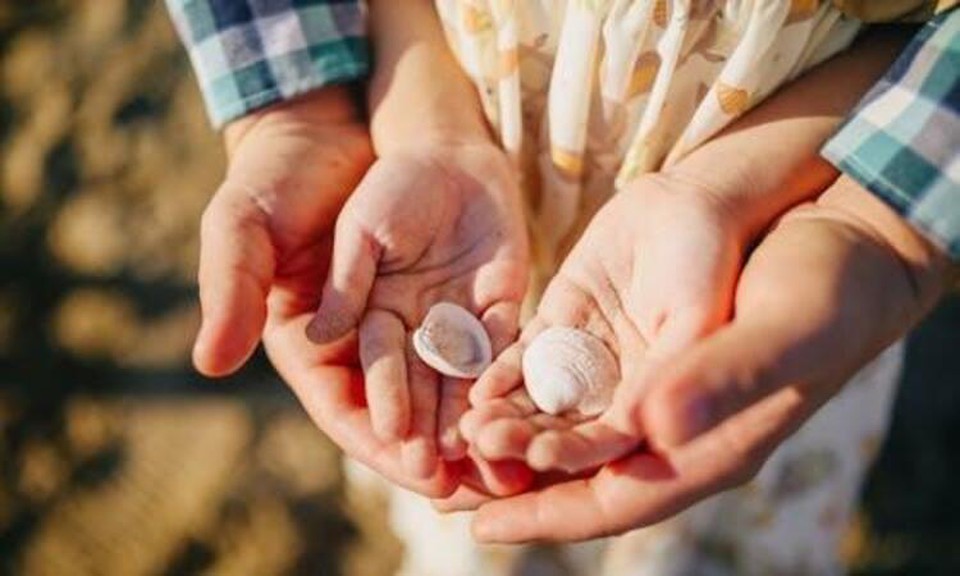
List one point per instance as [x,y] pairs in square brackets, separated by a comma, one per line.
[427,225]
[654,271]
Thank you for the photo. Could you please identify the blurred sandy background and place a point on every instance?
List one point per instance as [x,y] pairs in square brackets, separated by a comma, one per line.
[116,459]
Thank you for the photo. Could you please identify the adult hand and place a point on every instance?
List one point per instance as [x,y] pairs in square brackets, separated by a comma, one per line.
[832,284]
[266,239]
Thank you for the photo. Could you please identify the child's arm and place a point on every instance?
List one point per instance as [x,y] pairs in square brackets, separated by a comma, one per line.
[419,95]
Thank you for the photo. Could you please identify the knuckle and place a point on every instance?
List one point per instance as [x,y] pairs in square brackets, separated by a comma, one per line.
[230,212]
[748,382]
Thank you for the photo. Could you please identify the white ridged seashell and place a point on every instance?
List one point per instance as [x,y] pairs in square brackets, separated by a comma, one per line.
[453,342]
[566,369]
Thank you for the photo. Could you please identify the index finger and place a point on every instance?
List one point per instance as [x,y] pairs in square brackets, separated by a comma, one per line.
[331,390]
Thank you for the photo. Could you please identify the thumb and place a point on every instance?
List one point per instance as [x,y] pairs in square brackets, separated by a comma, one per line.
[353,267]
[236,270]
[717,378]
[813,304]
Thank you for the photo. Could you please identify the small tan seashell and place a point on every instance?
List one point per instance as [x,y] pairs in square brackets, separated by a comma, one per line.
[567,369]
[452,341]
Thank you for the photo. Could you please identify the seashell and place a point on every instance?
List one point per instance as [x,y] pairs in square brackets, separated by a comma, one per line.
[568,369]
[453,342]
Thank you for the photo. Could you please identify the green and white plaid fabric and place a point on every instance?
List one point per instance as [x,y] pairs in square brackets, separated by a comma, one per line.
[903,141]
[250,53]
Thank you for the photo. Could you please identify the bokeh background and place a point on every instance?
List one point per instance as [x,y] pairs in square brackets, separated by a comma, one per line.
[115,458]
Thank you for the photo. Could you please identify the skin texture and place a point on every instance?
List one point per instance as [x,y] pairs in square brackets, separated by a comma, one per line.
[437,218]
[656,269]
[702,413]
[423,227]
[268,237]
[266,240]
[271,216]
[715,412]
[605,288]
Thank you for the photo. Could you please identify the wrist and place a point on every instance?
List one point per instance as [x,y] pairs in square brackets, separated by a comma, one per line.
[418,92]
[331,105]
[448,113]
[751,191]
[930,269]
[432,137]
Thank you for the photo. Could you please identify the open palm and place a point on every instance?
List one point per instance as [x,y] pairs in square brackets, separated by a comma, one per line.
[654,271]
[425,226]
[861,277]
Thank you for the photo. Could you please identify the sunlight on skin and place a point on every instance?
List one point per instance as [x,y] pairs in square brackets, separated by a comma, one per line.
[438,225]
[863,278]
[602,288]
[693,227]
[265,251]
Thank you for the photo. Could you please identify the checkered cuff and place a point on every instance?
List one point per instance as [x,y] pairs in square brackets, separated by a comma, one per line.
[248,54]
[903,142]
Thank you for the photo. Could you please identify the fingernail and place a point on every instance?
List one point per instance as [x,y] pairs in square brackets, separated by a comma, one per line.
[198,343]
[324,328]
[313,329]
[474,397]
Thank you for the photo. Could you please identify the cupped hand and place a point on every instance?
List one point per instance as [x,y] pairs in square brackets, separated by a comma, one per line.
[653,272]
[434,223]
[266,239]
[834,283]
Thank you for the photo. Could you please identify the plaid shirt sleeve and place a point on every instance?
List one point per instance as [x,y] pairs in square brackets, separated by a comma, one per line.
[903,141]
[248,54]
